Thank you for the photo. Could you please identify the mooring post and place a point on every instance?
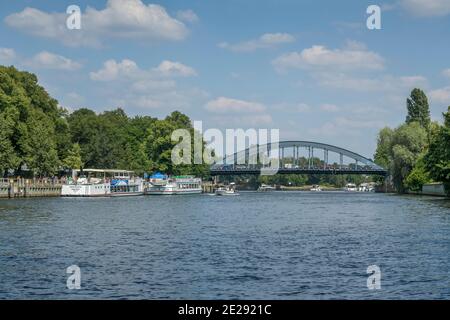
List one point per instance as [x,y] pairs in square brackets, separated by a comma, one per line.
[11,189]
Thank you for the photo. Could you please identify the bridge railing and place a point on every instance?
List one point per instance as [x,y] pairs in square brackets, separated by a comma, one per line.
[294,168]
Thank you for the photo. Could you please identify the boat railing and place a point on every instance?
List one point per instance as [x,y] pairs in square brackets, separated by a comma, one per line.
[36,182]
[188,180]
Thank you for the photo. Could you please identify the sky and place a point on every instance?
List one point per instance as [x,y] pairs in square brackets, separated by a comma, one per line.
[311,69]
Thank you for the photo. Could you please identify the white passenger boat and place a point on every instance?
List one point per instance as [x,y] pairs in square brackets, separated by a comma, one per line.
[160,184]
[316,188]
[367,187]
[229,190]
[351,187]
[265,187]
[127,187]
[102,183]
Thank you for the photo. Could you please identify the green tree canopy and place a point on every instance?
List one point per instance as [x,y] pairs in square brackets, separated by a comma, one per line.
[418,108]
[36,133]
[399,150]
[437,160]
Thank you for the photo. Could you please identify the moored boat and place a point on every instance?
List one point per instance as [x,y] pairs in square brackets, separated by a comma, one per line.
[124,188]
[264,187]
[102,183]
[162,185]
[229,190]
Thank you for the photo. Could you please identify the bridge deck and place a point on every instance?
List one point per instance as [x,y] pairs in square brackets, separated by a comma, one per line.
[243,171]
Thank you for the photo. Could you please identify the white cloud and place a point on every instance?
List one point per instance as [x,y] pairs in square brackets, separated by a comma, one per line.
[128,69]
[446,72]
[152,84]
[440,95]
[293,107]
[48,60]
[241,113]
[228,105]
[427,8]
[413,81]
[267,40]
[73,99]
[131,19]
[345,126]
[382,83]
[187,16]
[145,102]
[112,70]
[243,121]
[125,84]
[170,68]
[329,107]
[353,57]
[7,55]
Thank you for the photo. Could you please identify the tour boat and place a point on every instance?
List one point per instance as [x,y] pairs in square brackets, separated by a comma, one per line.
[102,183]
[367,187]
[124,188]
[162,185]
[227,191]
[265,187]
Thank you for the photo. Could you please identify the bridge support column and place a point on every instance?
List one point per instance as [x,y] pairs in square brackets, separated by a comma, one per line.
[309,157]
[341,161]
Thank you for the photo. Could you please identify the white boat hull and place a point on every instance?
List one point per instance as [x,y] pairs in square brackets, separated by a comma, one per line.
[226,193]
[86,190]
[126,194]
[172,192]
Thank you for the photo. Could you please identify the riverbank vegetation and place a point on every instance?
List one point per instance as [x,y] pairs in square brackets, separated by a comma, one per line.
[40,138]
[418,151]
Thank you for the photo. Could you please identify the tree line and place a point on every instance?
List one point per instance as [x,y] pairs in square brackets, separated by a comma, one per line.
[40,138]
[418,151]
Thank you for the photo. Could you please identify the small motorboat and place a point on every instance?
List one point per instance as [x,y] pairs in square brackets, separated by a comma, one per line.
[265,187]
[229,190]
[316,188]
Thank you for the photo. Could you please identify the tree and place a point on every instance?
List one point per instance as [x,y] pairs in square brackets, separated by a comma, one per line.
[408,142]
[42,157]
[73,158]
[418,176]
[8,156]
[30,117]
[437,160]
[418,108]
[384,147]
[399,149]
[36,132]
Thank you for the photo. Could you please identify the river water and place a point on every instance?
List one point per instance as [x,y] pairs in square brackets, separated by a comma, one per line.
[275,245]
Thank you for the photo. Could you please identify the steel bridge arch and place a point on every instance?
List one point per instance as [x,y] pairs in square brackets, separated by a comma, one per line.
[296,144]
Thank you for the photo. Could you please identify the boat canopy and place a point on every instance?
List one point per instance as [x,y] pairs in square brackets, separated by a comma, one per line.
[103,171]
[117,183]
[158,175]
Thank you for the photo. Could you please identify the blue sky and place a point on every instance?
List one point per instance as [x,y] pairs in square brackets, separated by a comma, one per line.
[310,68]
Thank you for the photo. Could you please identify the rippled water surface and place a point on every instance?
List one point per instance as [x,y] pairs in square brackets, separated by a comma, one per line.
[279,245]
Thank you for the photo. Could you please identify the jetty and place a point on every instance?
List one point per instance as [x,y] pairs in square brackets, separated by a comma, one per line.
[28,188]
